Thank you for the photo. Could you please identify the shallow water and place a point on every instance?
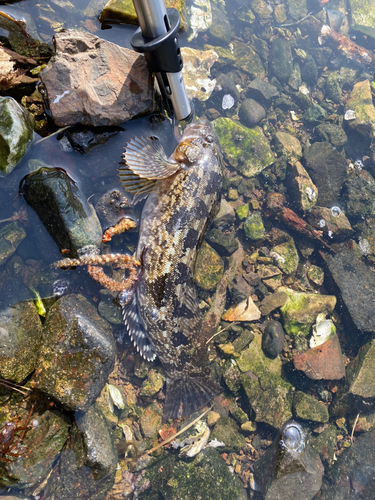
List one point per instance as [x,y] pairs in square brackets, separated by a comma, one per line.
[95,172]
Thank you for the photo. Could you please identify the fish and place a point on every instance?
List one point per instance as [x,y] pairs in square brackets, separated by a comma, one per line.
[163,317]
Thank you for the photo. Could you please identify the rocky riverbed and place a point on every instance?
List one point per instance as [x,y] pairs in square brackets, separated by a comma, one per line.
[285,277]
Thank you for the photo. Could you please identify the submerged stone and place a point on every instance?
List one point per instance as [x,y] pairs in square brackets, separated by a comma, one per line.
[62,208]
[227,431]
[77,353]
[286,256]
[10,237]
[361,103]
[253,226]
[209,268]
[273,339]
[16,133]
[247,150]
[303,190]
[308,408]
[281,59]
[197,74]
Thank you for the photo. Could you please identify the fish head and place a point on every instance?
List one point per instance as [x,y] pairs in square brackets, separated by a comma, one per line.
[197,139]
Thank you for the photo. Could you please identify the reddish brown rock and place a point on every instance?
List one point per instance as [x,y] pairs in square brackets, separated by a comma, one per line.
[322,362]
[95,82]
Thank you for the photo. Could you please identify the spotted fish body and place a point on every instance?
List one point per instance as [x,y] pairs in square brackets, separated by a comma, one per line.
[163,317]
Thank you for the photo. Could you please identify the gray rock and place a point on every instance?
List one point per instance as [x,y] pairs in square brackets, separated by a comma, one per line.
[356,284]
[359,195]
[239,289]
[273,339]
[10,237]
[16,133]
[314,113]
[327,169]
[251,113]
[302,188]
[226,215]
[77,354]
[108,309]
[330,133]
[20,339]
[289,468]
[62,207]
[227,432]
[262,91]
[227,86]
[333,223]
[95,82]
[309,70]
[297,9]
[281,59]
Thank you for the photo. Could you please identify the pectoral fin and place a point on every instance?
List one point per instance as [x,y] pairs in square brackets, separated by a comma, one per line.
[145,157]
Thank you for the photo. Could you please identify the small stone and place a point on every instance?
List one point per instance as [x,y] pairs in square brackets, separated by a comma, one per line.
[316,275]
[272,302]
[242,211]
[273,339]
[232,194]
[150,421]
[262,91]
[288,145]
[209,268]
[253,226]
[281,59]
[360,102]
[226,431]
[251,113]
[241,342]
[249,426]
[212,418]
[253,359]
[334,226]
[197,74]
[239,289]
[286,256]
[308,408]
[224,243]
[11,236]
[303,190]
[226,215]
[153,384]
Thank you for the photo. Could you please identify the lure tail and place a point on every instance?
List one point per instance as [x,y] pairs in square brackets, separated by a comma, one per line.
[188,394]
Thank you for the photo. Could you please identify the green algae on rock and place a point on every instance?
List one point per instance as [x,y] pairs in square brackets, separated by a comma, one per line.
[209,268]
[308,408]
[10,237]
[226,431]
[247,150]
[301,310]
[16,133]
[361,103]
[253,226]
[286,256]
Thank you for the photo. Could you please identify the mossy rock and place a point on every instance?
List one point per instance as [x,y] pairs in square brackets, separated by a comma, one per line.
[308,408]
[209,268]
[289,260]
[253,226]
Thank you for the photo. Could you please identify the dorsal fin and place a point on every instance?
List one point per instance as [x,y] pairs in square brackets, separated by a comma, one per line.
[136,331]
[145,157]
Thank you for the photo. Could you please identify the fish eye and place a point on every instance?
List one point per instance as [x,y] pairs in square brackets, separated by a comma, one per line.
[209,139]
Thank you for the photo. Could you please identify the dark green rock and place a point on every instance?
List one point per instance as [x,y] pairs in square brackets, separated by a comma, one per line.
[330,133]
[20,339]
[253,226]
[281,59]
[325,443]
[228,432]
[207,477]
[225,244]
[77,353]
[62,208]
[232,375]
[10,237]
[209,268]
[359,195]
[314,113]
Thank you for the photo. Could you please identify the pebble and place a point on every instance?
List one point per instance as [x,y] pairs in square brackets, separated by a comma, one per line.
[273,339]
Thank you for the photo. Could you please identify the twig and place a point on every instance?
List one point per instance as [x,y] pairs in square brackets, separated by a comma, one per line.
[14,387]
[234,322]
[51,135]
[353,429]
[295,23]
[171,438]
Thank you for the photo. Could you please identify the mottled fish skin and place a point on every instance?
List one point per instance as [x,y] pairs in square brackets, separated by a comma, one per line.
[174,222]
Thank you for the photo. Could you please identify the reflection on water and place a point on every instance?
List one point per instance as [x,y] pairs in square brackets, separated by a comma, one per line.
[289,88]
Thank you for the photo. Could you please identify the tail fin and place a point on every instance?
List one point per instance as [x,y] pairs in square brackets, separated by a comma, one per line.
[186,395]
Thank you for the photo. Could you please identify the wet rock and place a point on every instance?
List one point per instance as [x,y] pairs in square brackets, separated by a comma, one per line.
[14,73]
[314,113]
[245,311]
[225,244]
[43,443]
[220,29]
[89,75]
[316,275]
[323,362]
[123,11]
[226,215]
[62,208]
[295,80]
[359,195]
[288,145]
[196,72]
[101,456]
[358,394]
[246,59]
[244,339]
[303,190]
[239,289]
[262,91]
[113,206]
[270,398]
[209,268]
[227,431]
[333,87]
[286,256]
[232,376]
[327,169]
[357,286]
[77,353]
[83,139]
[84,471]
[332,222]
[242,211]
[227,86]
[325,444]
[253,359]
[154,382]
[308,408]
[281,59]
[361,103]
[363,14]
[272,302]
[11,236]
[108,309]
[247,150]
[273,339]
[16,133]
[253,226]
[330,133]
[301,310]
[251,113]
[289,468]
[206,477]
[309,70]
[351,477]
[20,339]
[297,9]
